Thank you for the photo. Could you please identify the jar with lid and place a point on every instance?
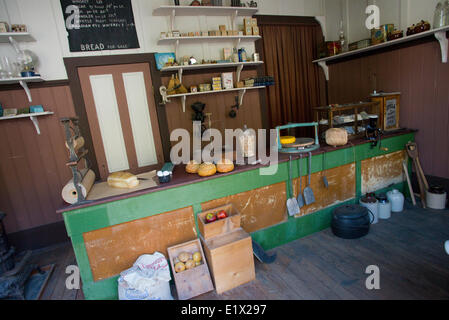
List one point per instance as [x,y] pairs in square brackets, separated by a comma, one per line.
[397,200]
[440,15]
[370,202]
[384,206]
[247,142]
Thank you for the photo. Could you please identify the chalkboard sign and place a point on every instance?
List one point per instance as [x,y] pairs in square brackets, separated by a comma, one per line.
[95,25]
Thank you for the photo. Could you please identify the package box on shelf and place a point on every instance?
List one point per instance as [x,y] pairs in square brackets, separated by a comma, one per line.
[227,80]
[255,31]
[222,28]
[247,22]
[204,33]
[224,34]
[253,22]
[236,33]
[192,282]
[227,53]
[248,31]
[230,259]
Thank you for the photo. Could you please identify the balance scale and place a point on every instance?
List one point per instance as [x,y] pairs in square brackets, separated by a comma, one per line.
[301,145]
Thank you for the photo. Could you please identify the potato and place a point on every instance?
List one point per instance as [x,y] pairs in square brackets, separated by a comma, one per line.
[190,264]
[180,267]
[183,257]
[197,256]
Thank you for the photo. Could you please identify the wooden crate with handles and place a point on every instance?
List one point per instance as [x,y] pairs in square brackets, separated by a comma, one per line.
[218,227]
[193,282]
[230,259]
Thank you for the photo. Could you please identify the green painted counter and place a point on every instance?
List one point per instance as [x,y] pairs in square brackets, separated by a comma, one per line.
[97,216]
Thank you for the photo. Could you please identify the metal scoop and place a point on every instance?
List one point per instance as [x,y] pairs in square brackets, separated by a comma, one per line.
[309,197]
[292,203]
[300,198]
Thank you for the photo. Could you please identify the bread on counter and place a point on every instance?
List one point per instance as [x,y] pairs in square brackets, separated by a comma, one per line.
[192,167]
[207,169]
[225,165]
[124,180]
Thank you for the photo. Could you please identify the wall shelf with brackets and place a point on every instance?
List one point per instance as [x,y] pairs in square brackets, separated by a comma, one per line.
[184,96]
[23,82]
[32,116]
[439,34]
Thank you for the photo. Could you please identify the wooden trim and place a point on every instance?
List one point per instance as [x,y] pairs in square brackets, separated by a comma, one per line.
[35,85]
[72,65]
[269,19]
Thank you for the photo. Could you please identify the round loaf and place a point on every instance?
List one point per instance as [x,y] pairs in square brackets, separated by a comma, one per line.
[336,137]
[225,165]
[207,169]
[192,167]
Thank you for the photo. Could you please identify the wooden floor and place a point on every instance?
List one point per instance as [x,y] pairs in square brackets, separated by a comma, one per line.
[408,249]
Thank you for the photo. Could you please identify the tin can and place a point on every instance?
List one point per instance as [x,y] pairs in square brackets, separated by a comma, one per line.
[333,48]
[256,57]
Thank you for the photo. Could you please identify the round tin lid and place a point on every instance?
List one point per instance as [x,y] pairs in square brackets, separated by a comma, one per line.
[351,211]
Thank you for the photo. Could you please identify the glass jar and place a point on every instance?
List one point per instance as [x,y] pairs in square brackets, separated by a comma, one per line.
[439,18]
[248,143]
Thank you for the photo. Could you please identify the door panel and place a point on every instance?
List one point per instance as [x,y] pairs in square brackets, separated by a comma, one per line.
[122,117]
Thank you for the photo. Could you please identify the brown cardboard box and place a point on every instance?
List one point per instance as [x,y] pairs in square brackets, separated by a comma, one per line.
[253,22]
[248,31]
[255,31]
[222,28]
[247,22]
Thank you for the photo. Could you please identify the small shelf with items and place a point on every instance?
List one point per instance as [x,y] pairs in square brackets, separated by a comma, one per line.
[354,118]
[5,37]
[32,116]
[439,34]
[23,82]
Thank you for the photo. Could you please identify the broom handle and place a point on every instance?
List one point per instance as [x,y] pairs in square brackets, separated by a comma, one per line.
[409,183]
[421,186]
[423,177]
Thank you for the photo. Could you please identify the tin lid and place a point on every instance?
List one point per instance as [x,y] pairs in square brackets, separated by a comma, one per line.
[353,211]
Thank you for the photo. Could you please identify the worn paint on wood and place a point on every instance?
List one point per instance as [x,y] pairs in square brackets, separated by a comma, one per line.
[259,208]
[341,188]
[114,249]
[382,171]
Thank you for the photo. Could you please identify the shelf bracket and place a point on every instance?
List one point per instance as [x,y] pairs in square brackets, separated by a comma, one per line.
[441,37]
[36,124]
[27,90]
[241,95]
[183,101]
[325,68]
[172,20]
[239,71]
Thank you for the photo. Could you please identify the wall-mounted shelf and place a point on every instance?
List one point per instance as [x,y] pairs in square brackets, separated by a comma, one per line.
[232,12]
[238,65]
[5,37]
[23,82]
[439,34]
[32,116]
[184,96]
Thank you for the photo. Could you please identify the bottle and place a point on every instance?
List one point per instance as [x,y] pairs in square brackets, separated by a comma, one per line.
[243,55]
[342,39]
[397,200]
[439,18]
[235,56]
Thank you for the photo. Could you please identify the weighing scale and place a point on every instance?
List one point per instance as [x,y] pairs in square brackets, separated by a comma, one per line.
[301,145]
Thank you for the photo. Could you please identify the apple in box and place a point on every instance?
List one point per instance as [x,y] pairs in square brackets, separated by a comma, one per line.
[222,214]
[210,217]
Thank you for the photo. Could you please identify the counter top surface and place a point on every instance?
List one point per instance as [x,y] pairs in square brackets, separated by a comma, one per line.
[181,178]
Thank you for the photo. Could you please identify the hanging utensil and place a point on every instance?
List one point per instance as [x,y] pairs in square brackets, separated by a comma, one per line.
[292,203]
[309,197]
[325,181]
[300,198]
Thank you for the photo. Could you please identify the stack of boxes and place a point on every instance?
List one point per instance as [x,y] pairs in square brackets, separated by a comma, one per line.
[250,27]
[216,83]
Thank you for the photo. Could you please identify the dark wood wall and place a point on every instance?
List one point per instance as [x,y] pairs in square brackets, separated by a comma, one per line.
[32,167]
[418,73]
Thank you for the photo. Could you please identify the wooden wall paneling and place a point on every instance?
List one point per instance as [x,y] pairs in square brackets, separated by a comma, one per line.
[114,249]
[342,187]
[33,166]
[381,172]
[259,208]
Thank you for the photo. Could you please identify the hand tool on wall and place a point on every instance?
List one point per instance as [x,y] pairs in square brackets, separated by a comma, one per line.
[300,198]
[309,197]
[412,151]
[292,203]
[410,189]
[325,181]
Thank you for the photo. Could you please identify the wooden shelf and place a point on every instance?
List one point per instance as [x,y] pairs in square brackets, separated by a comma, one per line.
[204,11]
[439,33]
[32,116]
[23,82]
[18,36]
[174,40]
[184,96]
[211,66]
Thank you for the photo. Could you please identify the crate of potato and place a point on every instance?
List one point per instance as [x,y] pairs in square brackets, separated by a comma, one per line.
[190,270]
[218,221]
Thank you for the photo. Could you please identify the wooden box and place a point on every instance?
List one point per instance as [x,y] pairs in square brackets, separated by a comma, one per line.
[218,227]
[389,110]
[193,282]
[230,259]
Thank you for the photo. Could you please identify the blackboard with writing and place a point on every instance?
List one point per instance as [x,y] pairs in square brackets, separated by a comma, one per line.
[95,25]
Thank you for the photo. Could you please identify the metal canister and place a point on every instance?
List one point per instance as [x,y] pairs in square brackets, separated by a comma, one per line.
[384,206]
[370,202]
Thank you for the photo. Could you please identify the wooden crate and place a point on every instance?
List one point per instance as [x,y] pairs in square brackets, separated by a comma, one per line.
[193,282]
[230,259]
[218,227]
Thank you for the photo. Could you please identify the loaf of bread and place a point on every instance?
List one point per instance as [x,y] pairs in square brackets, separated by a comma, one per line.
[207,169]
[225,165]
[192,167]
[124,180]
[336,137]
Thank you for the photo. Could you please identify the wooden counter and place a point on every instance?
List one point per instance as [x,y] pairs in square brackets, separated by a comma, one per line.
[109,234]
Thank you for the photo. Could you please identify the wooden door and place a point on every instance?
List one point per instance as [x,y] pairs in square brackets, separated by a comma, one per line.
[122,117]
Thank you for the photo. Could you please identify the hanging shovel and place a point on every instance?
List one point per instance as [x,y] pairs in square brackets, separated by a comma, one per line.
[309,197]
[325,181]
[300,198]
[292,203]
